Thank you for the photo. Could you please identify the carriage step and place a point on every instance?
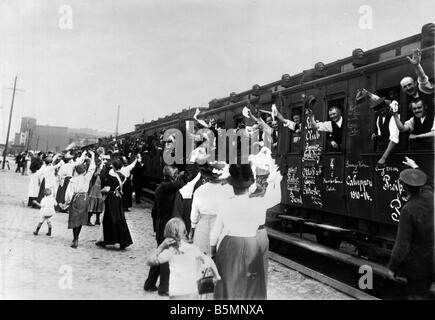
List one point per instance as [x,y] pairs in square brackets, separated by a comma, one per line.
[326,227]
[291,218]
[331,253]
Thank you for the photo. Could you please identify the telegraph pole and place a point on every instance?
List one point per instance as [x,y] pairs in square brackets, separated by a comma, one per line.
[5,152]
[117,123]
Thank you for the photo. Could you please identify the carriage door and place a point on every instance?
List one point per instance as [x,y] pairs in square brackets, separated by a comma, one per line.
[311,165]
[290,144]
[332,161]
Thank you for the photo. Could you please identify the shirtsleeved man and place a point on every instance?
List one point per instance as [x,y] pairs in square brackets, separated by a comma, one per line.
[420,89]
[387,133]
[334,127]
[421,126]
[413,251]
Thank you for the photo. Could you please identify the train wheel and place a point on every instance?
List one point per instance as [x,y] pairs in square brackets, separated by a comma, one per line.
[328,239]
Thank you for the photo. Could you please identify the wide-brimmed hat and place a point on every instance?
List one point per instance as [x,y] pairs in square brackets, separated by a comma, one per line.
[241,176]
[217,170]
[309,101]
[413,177]
[68,155]
[375,102]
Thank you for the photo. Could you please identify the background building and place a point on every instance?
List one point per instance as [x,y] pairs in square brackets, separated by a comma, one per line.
[52,138]
[47,138]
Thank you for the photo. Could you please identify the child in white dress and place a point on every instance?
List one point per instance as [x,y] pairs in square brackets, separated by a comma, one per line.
[46,211]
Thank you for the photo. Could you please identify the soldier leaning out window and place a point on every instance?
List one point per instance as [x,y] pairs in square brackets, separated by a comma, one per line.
[387,132]
[334,128]
[421,126]
[420,89]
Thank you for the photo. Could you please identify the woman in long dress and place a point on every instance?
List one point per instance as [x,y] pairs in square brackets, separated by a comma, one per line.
[76,198]
[65,174]
[240,256]
[96,200]
[46,177]
[115,228]
[206,204]
[127,189]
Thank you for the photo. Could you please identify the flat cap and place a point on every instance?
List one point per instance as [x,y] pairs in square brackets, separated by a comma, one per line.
[413,177]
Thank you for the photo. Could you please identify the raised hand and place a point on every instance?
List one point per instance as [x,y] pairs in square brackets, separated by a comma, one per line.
[246,112]
[197,112]
[416,57]
[168,242]
[410,163]
[394,107]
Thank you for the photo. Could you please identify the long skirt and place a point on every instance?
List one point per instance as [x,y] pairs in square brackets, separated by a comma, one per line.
[201,237]
[240,264]
[33,191]
[60,195]
[33,186]
[78,211]
[182,209]
[127,190]
[115,228]
[96,204]
[41,191]
[263,242]
[96,201]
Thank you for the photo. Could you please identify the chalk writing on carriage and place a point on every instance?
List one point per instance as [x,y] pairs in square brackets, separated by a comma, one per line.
[293,186]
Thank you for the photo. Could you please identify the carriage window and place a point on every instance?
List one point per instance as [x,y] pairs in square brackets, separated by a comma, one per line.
[381,125]
[221,124]
[238,122]
[334,141]
[296,136]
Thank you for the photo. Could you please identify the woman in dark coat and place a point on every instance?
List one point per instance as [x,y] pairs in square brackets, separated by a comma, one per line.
[115,228]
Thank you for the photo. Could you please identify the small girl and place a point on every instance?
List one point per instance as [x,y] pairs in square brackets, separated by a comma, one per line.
[182,258]
[46,211]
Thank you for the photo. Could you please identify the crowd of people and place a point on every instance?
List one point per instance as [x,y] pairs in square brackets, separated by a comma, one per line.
[193,234]
[220,210]
[210,218]
[83,184]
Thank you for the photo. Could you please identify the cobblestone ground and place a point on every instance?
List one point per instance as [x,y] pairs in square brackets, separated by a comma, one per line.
[42,267]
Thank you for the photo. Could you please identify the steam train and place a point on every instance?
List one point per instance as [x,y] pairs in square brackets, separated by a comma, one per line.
[336,196]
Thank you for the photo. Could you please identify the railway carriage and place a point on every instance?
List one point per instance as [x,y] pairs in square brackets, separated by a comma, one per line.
[337,196]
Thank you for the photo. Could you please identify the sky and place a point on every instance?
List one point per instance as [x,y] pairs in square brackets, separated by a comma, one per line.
[78,60]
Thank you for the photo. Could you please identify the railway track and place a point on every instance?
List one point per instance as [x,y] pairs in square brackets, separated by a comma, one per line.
[356,277]
[336,269]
